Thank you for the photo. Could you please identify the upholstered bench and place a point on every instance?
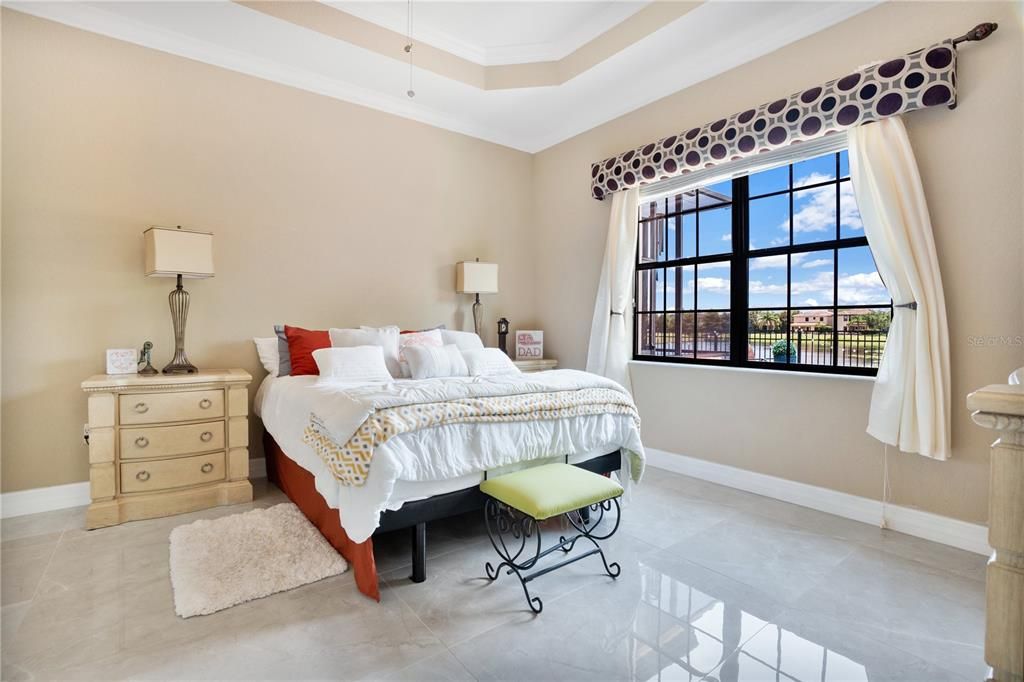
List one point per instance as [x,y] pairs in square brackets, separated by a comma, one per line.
[519,501]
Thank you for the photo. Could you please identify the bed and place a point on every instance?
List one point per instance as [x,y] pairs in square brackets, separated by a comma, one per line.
[432,469]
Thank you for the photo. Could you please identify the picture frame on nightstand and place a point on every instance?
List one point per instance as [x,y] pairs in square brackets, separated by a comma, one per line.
[529,345]
[122,361]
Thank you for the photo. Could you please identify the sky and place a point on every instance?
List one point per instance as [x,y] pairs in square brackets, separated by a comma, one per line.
[814,219]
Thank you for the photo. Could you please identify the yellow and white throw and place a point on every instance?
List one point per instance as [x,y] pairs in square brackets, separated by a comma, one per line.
[350,462]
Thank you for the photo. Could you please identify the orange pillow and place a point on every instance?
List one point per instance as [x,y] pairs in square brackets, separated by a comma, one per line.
[301,344]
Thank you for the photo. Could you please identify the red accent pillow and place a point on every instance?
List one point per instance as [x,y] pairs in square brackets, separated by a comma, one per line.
[301,344]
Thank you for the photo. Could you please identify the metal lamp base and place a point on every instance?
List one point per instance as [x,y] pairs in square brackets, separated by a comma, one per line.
[178,300]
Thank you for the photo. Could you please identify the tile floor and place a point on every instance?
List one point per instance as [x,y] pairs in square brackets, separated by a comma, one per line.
[716,584]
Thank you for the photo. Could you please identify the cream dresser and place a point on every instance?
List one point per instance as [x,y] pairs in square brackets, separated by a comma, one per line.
[166,444]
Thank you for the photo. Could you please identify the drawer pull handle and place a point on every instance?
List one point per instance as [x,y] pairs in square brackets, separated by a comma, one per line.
[141,442]
[206,436]
[206,468]
[141,408]
[205,403]
[142,475]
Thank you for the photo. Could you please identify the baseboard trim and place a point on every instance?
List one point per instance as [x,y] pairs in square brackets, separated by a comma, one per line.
[971,537]
[36,500]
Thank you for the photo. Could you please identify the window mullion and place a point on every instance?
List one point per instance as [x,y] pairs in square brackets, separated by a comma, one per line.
[739,277]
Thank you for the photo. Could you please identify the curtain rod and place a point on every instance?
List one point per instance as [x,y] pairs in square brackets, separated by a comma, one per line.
[979,32]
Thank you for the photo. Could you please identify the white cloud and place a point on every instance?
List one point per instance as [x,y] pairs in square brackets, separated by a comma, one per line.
[861,288]
[759,287]
[726,237]
[721,265]
[768,263]
[715,285]
[817,263]
[817,209]
[811,179]
[820,284]
[810,301]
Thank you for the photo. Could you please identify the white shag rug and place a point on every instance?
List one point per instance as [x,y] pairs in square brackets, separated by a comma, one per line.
[234,559]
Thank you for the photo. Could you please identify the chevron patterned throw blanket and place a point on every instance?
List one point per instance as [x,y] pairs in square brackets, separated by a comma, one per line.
[350,461]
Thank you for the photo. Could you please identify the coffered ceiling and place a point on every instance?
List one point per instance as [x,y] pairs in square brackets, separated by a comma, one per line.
[523,74]
[492,33]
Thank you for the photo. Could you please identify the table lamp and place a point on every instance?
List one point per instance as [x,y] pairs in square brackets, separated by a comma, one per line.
[178,253]
[474,277]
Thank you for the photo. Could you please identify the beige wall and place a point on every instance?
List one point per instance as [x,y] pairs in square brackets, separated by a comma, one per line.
[324,213]
[809,428]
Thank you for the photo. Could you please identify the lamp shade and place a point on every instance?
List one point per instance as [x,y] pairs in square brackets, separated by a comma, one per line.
[474,277]
[174,251]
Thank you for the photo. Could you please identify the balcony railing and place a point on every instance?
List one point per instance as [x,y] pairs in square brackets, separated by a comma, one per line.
[852,348]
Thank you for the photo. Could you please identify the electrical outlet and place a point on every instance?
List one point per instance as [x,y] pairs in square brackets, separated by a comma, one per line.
[85,433]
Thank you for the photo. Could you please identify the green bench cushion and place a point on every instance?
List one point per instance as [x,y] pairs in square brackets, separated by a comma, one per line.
[551,489]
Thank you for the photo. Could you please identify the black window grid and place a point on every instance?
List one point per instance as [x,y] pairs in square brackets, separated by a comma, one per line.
[739,259]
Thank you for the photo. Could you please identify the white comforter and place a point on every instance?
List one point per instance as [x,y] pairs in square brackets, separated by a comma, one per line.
[441,452]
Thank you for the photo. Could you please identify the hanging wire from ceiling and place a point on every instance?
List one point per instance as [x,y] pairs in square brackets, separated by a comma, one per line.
[408,46]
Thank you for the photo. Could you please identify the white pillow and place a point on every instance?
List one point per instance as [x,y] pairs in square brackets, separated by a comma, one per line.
[266,348]
[385,337]
[464,340]
[428,338]
[362,364]
[427,362]
[483,362]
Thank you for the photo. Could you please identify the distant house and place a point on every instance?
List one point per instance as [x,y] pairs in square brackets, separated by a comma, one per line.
[849,319]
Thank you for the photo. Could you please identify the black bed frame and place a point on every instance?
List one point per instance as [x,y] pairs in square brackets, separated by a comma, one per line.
[417,514]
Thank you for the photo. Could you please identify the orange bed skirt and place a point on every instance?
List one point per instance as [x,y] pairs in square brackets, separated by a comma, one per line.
[300,487]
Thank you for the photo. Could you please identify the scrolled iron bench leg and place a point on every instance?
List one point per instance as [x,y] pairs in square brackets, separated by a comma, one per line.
[502,520]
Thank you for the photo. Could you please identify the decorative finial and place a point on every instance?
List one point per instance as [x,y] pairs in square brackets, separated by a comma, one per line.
[979,32]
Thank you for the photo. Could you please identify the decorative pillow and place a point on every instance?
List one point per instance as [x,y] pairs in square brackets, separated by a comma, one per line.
[428,338]
[266,348]
[385,337]
[360,364]
[284,364]
[301,344]
[428,362]
[483,362]
[464,340]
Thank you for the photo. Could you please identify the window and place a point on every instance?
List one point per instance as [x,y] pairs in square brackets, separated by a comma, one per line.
[766,270]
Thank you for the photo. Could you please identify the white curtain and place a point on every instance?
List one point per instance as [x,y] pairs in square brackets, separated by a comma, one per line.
[609,351]
[910,405]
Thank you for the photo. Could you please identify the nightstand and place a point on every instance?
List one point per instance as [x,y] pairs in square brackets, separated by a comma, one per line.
[166,444]
[535,365]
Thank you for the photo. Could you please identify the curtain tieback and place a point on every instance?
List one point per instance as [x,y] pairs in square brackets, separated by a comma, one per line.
[615,313]
[909,306]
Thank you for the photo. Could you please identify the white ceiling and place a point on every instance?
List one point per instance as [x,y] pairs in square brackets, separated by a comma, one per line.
[491,33]
[708,40]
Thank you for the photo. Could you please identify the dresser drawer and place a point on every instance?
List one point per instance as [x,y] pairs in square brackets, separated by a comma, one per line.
[162,441]
[141,477]
[155,408]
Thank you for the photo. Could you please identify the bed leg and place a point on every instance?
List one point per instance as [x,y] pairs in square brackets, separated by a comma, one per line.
[419,552]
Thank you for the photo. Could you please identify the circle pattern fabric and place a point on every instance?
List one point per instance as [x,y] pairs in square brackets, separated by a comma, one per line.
[925,78]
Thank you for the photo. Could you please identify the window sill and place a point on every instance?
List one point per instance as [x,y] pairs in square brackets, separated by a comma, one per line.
[752,370]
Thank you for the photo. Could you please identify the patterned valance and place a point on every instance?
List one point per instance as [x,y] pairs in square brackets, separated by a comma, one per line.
[925,78]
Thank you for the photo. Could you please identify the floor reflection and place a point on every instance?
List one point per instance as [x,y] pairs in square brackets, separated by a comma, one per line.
[687,632]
